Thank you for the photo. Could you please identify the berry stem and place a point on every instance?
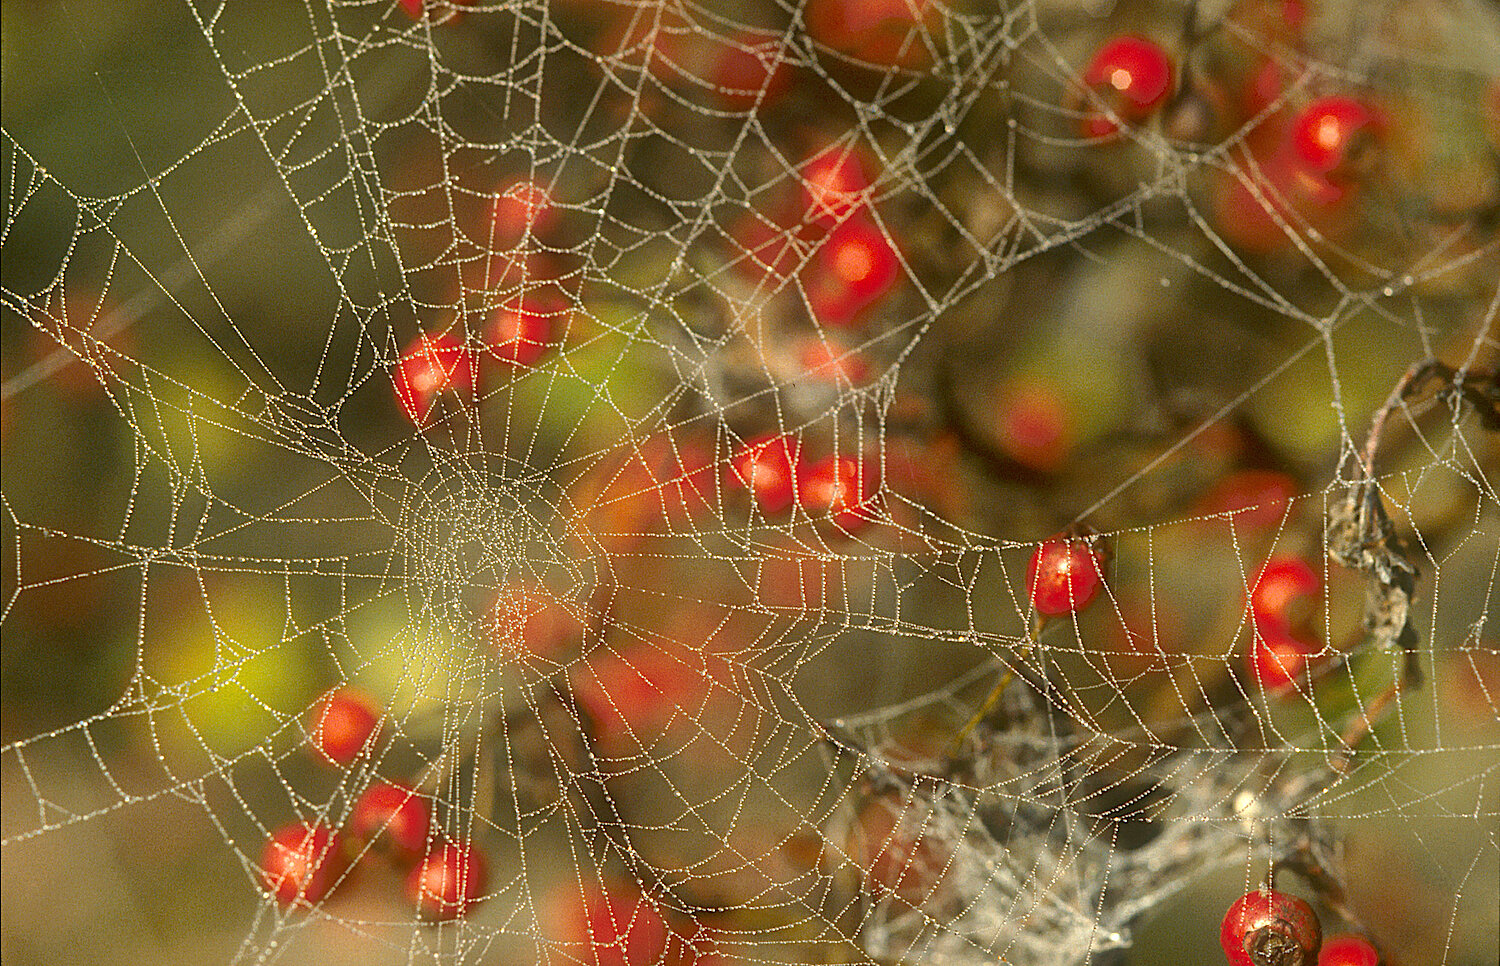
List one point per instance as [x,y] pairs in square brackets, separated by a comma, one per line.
[988,704]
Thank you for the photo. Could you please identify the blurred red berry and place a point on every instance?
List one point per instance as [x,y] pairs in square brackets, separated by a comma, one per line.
[834,182]
[1133,76]
[748,71]
[523,329]
[342,724]
[527,621]
[1348,950]
[1033,424]
[1063,576]
[840,487]
[1270,928]
[617,925]
[855,266]
[447,882]
[885,33]
[1267,200]
[300,863]
[1471,683]
[1266,87]
[670,481]
[658,39]
[630,698]
[899,851]
[1285,596]
[1278,661]
[392,816]
[1258,499]
[414,8]
[430,366]
[661,487]
[767,467]
[765,252]
[1143,638]
[684,482]
[1329,133]
[1268,23]
[740,71]
[519,208]
[825,360]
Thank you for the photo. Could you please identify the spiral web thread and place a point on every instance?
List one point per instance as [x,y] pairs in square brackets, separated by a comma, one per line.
[782,741]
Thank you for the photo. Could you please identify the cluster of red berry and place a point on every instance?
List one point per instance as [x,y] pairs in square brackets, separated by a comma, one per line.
[519,331]
[1265,927]
[853,263]
[1065,575]
[616,924]
[302,862]
[837,488]
[1300,162]
[1283,603]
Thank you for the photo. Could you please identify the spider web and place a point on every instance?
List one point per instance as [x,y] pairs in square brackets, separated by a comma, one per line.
[768,737]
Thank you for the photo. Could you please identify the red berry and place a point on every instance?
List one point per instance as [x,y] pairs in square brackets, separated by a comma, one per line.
[1348,950]
[670,481]
[1269,23]
[447,882]
[684,483]
[1270,928]
[839,486]
[393,815]
[1471,677]
[1285,595]
[1133,76]
[834,182]
[1267,86]
[1063,576]
[1330,131]
[342,724]
[1278,661]
[887,33]
[300,863]
[766,252]
[431,365]
[522,330]
[659,40]
[414,7]
[663,486]
[855,266]
[767,467]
